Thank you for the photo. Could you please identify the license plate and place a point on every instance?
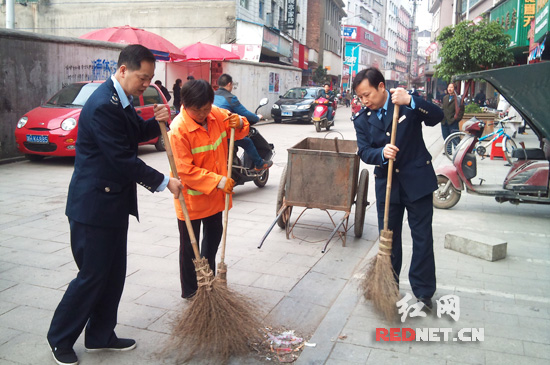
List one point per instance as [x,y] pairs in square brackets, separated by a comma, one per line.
[37,139]
[286,114]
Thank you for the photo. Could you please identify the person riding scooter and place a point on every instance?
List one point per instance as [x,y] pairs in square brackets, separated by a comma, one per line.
[223,98]
[329,95]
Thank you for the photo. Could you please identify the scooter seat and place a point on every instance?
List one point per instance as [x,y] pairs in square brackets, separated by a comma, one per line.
[528,154]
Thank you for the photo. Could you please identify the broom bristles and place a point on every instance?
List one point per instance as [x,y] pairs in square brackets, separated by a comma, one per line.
[379,283]
[218,323]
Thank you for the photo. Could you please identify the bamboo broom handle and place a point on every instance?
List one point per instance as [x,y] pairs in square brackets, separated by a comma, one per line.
[227,196]
[390,167]
[181,199]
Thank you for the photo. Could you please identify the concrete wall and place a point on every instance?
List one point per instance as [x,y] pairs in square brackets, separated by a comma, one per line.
[251,82]
[181,22]
[34,67]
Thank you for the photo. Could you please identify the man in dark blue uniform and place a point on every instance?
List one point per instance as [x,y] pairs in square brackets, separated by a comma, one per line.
[102,195]
[414,178]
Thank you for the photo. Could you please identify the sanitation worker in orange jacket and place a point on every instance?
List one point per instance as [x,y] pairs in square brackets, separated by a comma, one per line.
[199,140]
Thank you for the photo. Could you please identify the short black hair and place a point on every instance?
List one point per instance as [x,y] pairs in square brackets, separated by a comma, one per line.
[224,80]
[190,77]
[158,83]
[372,74]
[196,93]
[326,84]
[133,55]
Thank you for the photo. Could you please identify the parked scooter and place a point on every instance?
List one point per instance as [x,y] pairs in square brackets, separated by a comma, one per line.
[526,182]
[243,167]
[320,116]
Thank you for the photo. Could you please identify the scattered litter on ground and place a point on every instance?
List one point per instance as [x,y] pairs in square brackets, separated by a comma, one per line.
[281,345]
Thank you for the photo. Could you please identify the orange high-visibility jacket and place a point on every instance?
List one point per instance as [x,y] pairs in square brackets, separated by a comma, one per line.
[201,159]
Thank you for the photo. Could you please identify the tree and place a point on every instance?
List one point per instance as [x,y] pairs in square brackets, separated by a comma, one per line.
[319,75]
[468,47]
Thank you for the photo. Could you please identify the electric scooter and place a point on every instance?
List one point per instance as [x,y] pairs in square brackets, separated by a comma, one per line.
[526,182]
[243,167]
[320,117]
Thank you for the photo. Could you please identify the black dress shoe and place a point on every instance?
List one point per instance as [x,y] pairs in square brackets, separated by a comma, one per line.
[427,303]
[64,356]
[120,344]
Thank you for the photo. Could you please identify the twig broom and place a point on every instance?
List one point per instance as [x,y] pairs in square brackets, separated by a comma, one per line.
[218,323]
[379,283]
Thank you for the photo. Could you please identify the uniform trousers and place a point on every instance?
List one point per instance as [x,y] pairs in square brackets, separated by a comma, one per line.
[419,213]
[212,231]
[92,298]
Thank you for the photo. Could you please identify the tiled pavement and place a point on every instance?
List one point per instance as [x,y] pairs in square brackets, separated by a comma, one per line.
[298,287]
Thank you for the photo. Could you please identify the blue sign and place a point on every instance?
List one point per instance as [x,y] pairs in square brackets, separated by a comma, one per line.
[350,32]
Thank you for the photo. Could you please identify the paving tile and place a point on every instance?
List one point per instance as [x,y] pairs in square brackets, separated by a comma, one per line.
[500,358]
[137,315]
[291,313]
[349,354]
[27,319]
[275,282]
[390,357]
[537,350]
[522,311]
[318,288]
[39,277]
[32,295]
[26,348]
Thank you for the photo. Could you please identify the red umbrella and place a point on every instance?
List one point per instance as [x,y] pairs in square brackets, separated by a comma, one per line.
[162,48]
[207,52]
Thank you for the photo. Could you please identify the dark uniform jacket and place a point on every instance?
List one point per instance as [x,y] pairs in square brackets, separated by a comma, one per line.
[413,170]
[102,191]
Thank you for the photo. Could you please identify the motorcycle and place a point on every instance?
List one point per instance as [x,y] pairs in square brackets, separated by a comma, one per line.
[243,167]
[320,113]
[527,180]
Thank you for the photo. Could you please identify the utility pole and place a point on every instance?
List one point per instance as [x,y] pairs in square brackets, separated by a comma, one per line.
[10,14]
[413,43]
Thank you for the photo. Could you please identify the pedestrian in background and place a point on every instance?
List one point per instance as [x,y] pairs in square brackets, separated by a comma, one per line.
[176,89]
[164,90]
[198,136]
[414,179]
[102,195]
[453,112]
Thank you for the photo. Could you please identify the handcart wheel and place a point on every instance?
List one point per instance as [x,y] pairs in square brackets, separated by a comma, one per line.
[361,203]
[283,221]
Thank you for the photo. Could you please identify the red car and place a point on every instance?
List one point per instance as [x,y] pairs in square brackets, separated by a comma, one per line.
[51,129]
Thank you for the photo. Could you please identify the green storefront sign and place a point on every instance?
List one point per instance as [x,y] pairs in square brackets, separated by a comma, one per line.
[515,17]
[510,15]
[542,20]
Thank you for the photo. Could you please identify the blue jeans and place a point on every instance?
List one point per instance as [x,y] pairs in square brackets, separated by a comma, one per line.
[447,129]
[248,146]
[329,113]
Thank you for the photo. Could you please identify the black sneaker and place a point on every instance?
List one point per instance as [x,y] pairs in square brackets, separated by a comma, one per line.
[64,356]
[428,304]
[120,344]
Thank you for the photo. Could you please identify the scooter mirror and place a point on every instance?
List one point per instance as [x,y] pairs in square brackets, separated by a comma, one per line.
[264,101]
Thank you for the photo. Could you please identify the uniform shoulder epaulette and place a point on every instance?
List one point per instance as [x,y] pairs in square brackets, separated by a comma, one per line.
[359,113]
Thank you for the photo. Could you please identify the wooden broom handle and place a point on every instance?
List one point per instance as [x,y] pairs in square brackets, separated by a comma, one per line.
[390,167]
[227,196]
[181,199]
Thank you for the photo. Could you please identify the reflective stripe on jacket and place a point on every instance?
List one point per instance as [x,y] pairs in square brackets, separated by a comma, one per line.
[201,159]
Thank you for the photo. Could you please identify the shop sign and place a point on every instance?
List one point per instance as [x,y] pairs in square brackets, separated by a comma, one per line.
[290,14]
